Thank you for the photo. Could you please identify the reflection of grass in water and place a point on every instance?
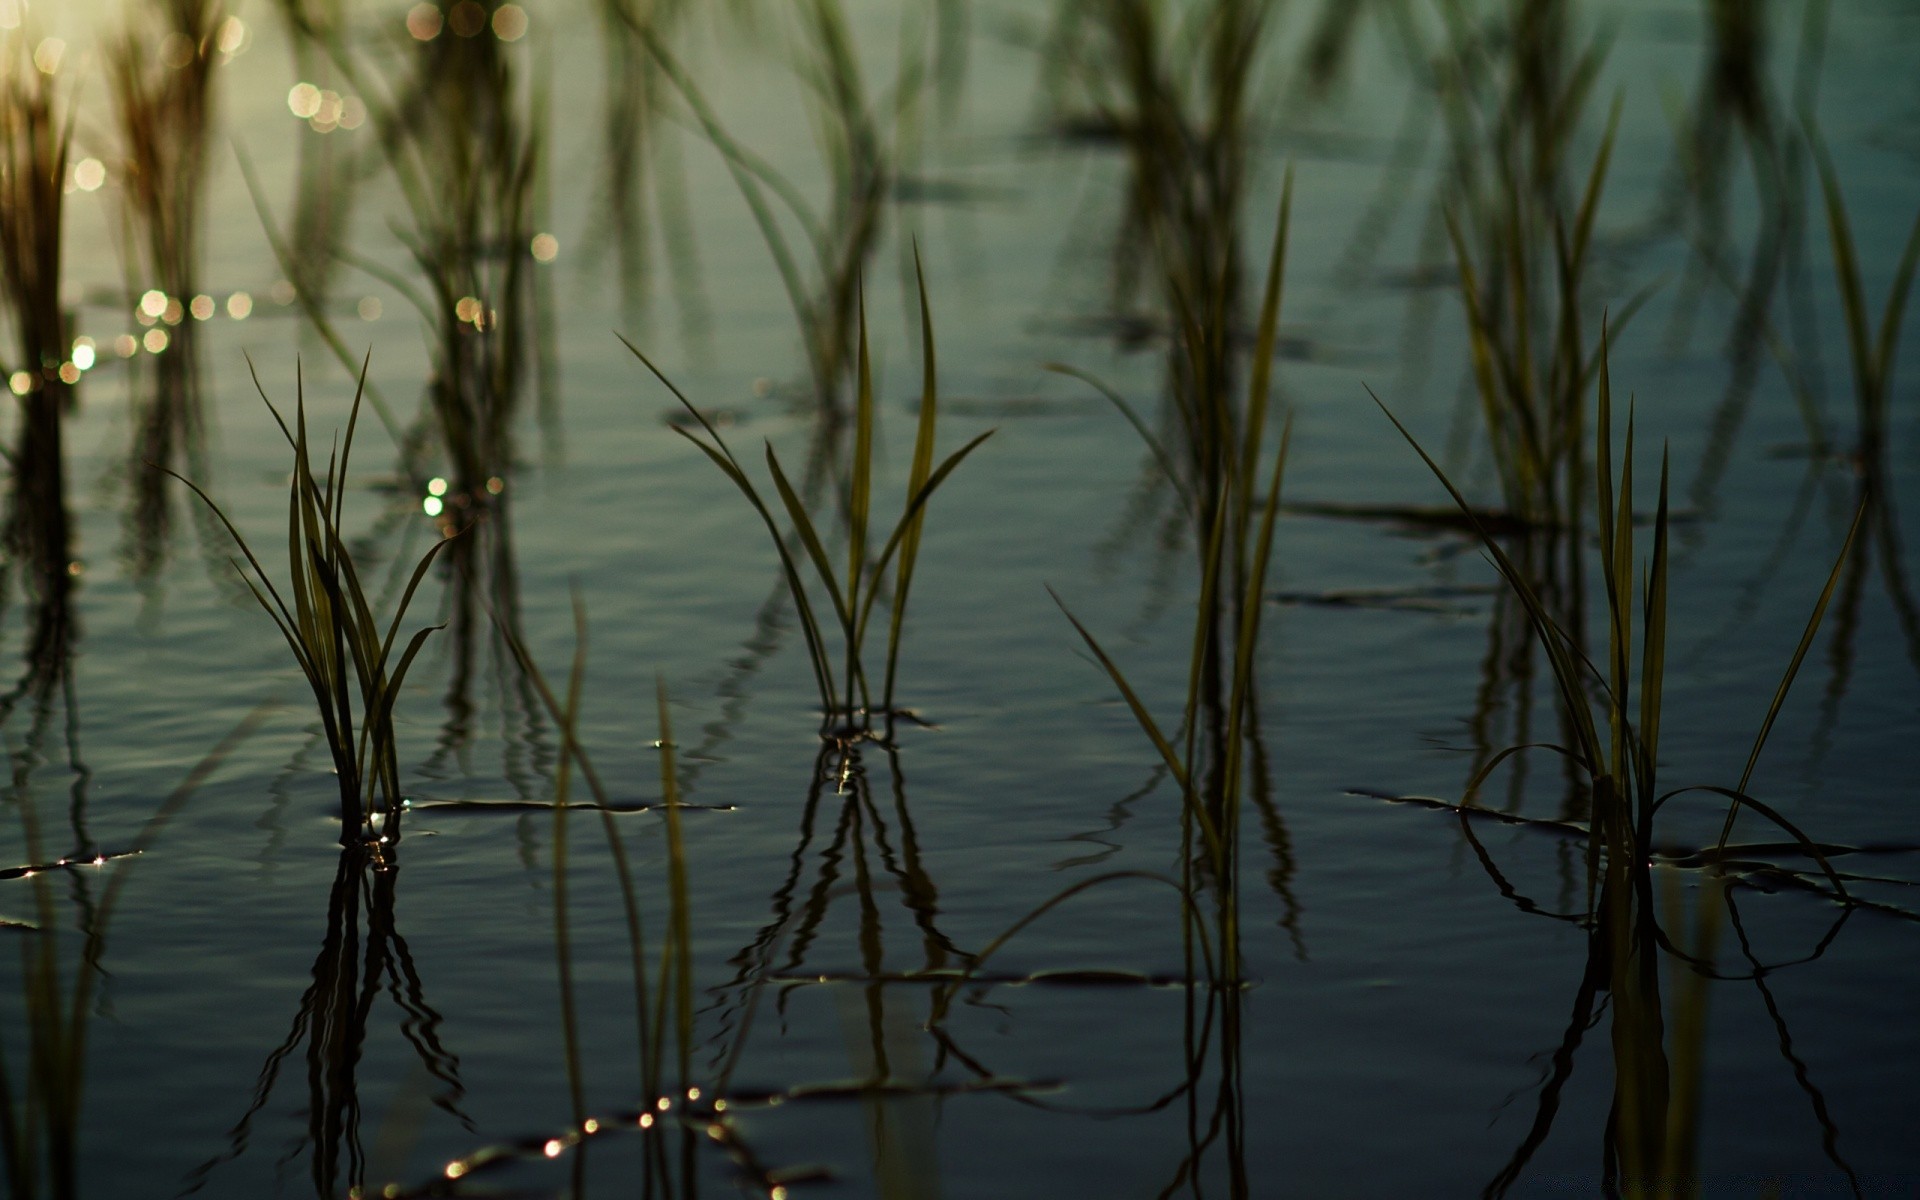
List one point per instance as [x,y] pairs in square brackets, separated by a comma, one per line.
[40,1128]
[160,71]
[847,698]
[463,145]
[335,640]
[35,132]
[822,277]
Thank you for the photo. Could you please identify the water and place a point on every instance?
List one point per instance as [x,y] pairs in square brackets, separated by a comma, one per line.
[1398,1030]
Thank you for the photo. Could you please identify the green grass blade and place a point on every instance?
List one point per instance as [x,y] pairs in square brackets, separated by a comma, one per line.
[1266,335]
[1793,668]
[922,468]
[860,495]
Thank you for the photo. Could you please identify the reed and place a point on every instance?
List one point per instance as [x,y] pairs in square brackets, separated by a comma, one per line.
[848,699]
[1616,752]
[330,627]
[1207,755]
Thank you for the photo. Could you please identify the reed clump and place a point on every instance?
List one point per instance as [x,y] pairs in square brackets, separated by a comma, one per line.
[330,627]
[1615,753]
[848,698]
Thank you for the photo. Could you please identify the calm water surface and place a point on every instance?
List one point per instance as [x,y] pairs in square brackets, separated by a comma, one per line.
[270,1021]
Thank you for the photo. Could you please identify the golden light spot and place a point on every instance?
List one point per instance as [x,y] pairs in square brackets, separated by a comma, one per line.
[432,506]
[716,1133]
[69,373]
[693,1093]
[303,100]
[47,55]
[423,22]
[353,113]
[175,312]
[84,353]
[546,247]
[155,341]
[239,306]
[369,308]
[20,382]
[467,18]
[232,38]
[495,485]
[663,1103]
[177,51]
[590,1126]
[777,1192]
[553,1148]
[456,1169]
[646,1120]
[509,22]
[89,174]
[202,307]
[326,117]
[436,486]
[467,308]
[719,1106]
[126,345]
[153,303]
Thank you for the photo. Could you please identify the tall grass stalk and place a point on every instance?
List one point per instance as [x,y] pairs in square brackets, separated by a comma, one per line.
[1206,756]
[846,695]
[663,995]
[332,632]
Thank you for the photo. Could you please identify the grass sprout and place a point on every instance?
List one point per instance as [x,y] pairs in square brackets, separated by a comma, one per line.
[330,627]
[847,696]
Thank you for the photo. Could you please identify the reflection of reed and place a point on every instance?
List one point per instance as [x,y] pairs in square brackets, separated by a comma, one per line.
[872,848]
[160,72]
[644,184]
[41,1131]
[361,954]
[33,175]
[862,837]
[822,278]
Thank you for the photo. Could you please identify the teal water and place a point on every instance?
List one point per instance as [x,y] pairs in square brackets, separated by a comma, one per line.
[1398,1031]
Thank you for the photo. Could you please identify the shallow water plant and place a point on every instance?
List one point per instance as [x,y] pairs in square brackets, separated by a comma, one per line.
[331,629]
[847,697]
[1615,753]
